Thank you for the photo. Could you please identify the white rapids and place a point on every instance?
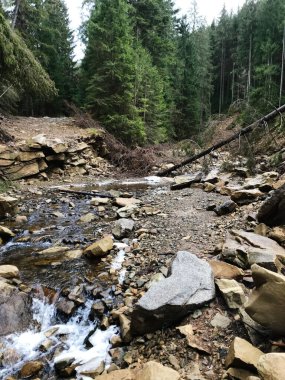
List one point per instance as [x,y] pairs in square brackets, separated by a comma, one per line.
[27,346]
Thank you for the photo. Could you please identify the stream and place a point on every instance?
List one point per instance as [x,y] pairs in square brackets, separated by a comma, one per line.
[78,339]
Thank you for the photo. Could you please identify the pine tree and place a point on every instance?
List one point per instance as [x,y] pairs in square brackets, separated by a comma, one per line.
[109,66]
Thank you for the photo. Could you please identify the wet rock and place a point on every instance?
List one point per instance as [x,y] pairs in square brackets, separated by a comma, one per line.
[181,182]
[246,248]
[243,355]
[15,309]
[272,211]
[190,285]
[21,219]
[31,369]
[220,321]
[266,302]
[65,306]
[100,247]
[272,366]
[8,205]
[123,228]
[9,271]
[97,310]
[226,208]
[232,292]
[6,234]
[243,197]
[91,369]
[88,218]
[225,270]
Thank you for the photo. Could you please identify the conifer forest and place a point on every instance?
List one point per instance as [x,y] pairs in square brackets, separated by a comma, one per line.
[149,74]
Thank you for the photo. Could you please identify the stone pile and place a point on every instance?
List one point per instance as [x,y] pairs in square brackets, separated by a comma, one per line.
[45,157]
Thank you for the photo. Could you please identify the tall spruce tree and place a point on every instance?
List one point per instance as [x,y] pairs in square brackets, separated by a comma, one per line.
[109,66]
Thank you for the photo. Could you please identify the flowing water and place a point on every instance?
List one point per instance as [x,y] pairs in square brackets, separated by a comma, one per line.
[54,219]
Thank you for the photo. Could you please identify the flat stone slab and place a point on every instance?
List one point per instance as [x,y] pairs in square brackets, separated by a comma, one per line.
[190,285]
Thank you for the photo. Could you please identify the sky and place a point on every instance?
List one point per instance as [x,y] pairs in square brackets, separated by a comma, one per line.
[210,9]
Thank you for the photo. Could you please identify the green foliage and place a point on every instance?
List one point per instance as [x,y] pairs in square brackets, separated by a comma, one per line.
[20,71]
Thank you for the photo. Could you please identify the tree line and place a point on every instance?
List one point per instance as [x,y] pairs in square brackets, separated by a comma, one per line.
[148,74]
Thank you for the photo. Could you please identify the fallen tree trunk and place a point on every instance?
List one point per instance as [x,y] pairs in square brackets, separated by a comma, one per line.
[237,135]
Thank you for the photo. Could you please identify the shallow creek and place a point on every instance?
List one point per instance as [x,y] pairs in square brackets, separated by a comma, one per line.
[54,219]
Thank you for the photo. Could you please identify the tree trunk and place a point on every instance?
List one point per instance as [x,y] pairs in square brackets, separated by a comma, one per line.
[15,16]
[236,136]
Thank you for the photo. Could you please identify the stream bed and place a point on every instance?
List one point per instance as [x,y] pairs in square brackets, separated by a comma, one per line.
[78,340]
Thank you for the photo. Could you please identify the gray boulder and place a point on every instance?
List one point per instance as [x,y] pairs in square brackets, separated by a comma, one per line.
[15,309]
[246,248]
[190,285]
[123,228]
[272,211]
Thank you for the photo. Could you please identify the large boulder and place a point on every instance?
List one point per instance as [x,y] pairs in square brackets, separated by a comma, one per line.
[247,248]
[15,309]
[272,211]
[190,285]
[266,304]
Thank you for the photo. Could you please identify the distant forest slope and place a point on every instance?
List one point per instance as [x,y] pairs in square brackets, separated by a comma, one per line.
[149,75]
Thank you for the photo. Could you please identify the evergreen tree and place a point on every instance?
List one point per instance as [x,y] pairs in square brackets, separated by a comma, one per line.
[109,69]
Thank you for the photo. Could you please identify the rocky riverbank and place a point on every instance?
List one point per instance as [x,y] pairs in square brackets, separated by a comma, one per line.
[117,277]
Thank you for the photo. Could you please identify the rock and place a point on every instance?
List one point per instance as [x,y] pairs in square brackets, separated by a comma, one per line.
[126,212]
[87,218]
[65,306]
[246,248]
[125,202]
[9,271]
[99,201]
[97,310]
[100,247]
[15,309]
[232,293]
[212,177]
[29,156]
[266,302]
[91,368]
[6,234]
[23,170]
[243,197]
[190,285]
[278,234]
[123,228]
[226,208]
[220,321]
[272,366]
[243,355]
[241,374]
[125,325]
[261,229]
[225,270]
[121,374]
[21,219]
[208,187]
[8,205]
[263,181]
[181,182]
[192,340]
[31,369]
[156,371]
[272,211]
[54,250]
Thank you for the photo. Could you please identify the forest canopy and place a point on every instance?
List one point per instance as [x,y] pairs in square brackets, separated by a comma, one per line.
[148,75]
